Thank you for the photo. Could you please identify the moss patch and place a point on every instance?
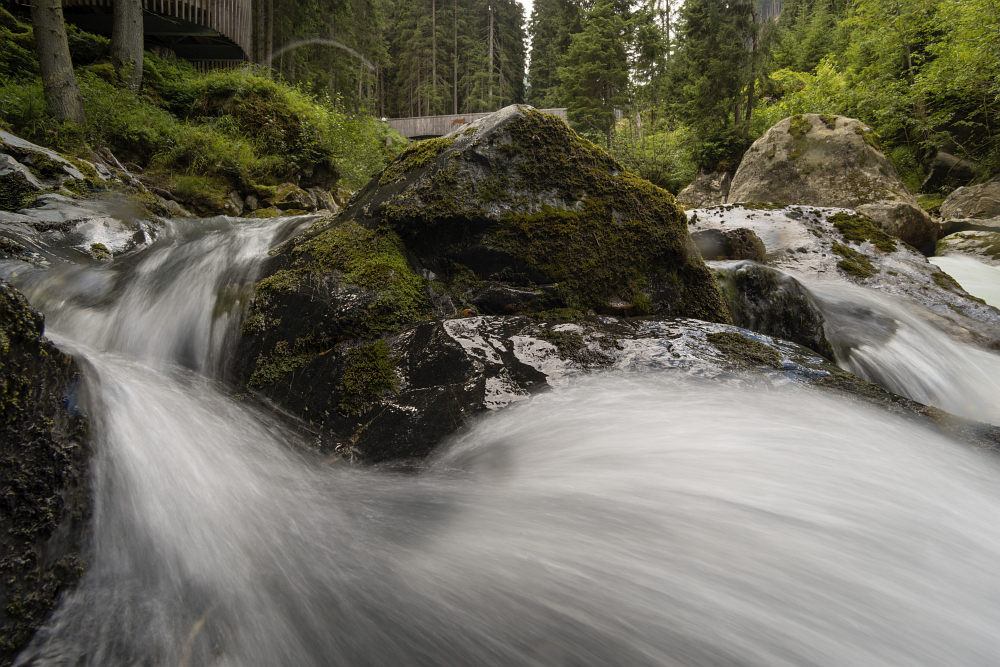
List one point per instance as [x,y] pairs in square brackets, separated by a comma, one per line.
[572,346]
[284,358]
[418,155]
[799,126]
[854,263]
[829,121]
[351,254]
[744,352]
[858,228]
[869,136]
[944,281]
[369,374]
[100,252]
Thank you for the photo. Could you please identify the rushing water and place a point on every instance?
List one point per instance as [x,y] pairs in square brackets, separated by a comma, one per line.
[977,278]
[884,340]
[626,520]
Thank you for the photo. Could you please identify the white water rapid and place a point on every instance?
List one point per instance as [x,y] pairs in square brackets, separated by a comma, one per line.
[977,278]
[625,520]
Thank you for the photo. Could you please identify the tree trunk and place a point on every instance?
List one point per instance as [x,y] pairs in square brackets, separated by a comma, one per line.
[270,35]
[490,66]
[434,52]
[454,70]
[260,36]
[127,41]
[62,94]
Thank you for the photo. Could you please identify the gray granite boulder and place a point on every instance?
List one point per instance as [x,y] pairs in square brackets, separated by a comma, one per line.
[831,161]
[973,201]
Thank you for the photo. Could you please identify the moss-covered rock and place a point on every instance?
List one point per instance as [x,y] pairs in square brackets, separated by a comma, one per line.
[832,161]
[521,199]
[43,474]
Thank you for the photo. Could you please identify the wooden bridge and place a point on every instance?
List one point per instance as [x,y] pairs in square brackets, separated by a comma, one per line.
[217,31]
[438,126]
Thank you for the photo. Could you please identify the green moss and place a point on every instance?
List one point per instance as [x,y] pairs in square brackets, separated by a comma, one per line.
[931,203]
[12,248]
[374,260]
[15,193]
[571,346]
[100,251]
[369,375]
[559,315]
[858,228]
[284,358]
[854,263]
[944,281]
[869,136]
[744,352]
[829,121]
[799,126]
[414,157]
[756,206]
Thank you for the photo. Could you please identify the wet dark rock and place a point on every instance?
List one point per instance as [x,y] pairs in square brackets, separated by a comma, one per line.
[396,399]
[43,474]
[730,244]
[514,214]
[773,303]
[519,194]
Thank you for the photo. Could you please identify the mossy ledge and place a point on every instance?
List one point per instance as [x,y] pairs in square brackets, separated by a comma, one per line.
[744,353]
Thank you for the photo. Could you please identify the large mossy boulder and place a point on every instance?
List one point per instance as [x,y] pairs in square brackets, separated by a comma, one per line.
[831,161]
[513,215]
[44,492]
[520,199]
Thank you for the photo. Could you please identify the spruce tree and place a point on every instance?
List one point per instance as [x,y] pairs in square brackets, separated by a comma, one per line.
[595,74]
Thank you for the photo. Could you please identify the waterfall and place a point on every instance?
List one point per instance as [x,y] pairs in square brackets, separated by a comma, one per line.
[638,519]
[885,340]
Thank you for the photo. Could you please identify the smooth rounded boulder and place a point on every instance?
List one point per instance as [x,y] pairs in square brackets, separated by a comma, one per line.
[831,161]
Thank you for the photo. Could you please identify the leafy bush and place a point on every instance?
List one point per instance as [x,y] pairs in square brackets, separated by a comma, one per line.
[664,158]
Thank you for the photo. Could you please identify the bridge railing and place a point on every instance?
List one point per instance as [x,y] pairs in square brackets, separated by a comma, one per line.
[438,126]
[230,18]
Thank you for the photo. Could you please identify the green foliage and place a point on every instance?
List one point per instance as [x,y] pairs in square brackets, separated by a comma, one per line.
[552,24]
[714,76]
[665,158]
[232,125]
[595,71]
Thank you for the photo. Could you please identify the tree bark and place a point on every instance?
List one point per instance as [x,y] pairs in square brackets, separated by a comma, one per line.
[434,52]
[127,41]
[270,35]
[454,74]
[491,57]
[62,94]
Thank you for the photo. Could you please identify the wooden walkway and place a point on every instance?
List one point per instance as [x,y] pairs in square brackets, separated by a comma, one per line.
[438,126]
[198,30]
